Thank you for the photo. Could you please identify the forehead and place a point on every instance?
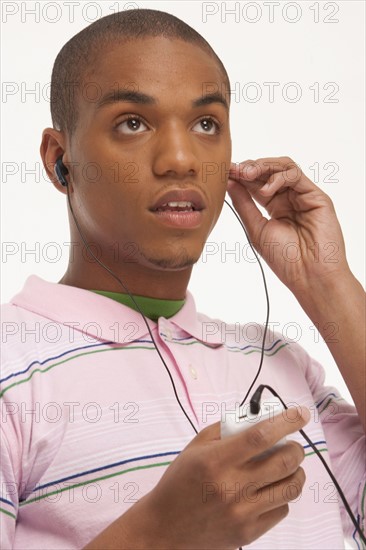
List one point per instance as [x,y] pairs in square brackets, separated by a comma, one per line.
[166,68]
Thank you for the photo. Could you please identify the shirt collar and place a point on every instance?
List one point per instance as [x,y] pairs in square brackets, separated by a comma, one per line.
[107,319]
[153,308]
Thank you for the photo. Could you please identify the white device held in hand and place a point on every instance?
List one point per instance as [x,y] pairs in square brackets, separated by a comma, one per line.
[240,420]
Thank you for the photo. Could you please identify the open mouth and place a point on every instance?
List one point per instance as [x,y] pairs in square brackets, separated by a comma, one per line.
[182,214]
[183,208]
[173,206]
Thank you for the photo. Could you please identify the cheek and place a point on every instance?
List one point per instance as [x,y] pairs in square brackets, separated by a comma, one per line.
[107,197]
[107,180]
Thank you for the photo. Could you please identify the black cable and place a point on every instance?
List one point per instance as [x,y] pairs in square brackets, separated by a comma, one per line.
[260,363]
[267,300]
[256,404]
[138,307]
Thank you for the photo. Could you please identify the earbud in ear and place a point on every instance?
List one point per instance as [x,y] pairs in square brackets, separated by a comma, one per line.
[61,171]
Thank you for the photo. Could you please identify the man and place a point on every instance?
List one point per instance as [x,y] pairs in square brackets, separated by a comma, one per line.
[109,458]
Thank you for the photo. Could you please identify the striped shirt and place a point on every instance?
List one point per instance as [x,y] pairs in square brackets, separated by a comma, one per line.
[90,421]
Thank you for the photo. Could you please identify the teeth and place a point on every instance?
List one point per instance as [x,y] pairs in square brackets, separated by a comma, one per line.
[181,204]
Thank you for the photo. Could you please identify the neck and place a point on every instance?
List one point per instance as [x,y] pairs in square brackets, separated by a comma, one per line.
[139,280]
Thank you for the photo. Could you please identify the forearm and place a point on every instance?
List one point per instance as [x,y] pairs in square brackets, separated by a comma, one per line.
[136,529]
[342,303]
[118,535]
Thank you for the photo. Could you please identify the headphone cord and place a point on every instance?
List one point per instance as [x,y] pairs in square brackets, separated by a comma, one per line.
[256,401]
[137,306]
[358,529]
[267,300]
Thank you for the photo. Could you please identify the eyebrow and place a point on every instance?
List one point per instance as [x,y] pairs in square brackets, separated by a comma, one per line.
[144,99]
[207,99]
[126,95]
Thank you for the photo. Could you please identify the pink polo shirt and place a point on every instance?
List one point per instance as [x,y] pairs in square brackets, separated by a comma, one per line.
[90,421]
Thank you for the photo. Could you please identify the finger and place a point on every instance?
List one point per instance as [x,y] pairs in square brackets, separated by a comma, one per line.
[260,525]
[267,183]
[283,180]
[268,520]
[271,505]
[281,464]
[244,171]
[241,447]
[263,172]
[262,168]
[280,493]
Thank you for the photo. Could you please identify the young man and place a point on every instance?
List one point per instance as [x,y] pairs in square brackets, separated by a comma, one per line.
[97,451]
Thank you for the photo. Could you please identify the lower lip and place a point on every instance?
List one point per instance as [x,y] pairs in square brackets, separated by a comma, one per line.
[180,219]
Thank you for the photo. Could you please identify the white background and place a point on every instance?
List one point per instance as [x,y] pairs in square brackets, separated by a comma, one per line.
[314,44]
[304,42]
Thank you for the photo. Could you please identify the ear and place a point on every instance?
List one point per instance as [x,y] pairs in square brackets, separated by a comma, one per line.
[52,146]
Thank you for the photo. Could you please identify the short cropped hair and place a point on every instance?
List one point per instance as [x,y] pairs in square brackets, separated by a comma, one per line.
[83,50]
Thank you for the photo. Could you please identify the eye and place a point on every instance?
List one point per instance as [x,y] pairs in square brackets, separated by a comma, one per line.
[207,125]
[133,124]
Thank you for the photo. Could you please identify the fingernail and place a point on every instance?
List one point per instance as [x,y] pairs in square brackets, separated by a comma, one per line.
[294,414]
[265,187]
[251,170]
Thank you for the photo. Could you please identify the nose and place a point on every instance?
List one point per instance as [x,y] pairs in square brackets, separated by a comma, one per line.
[175,154]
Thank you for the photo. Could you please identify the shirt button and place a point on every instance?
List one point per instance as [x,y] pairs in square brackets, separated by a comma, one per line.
[168,333]
[193,372]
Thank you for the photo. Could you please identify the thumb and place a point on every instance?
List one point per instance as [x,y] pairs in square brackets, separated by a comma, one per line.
[248,211]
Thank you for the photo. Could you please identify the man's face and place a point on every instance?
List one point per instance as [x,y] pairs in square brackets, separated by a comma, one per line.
[129,151]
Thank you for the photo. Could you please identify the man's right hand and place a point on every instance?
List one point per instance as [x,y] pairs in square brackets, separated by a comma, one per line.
[213,495]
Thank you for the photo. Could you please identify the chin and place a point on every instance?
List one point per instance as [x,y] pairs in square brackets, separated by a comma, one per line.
[176,262]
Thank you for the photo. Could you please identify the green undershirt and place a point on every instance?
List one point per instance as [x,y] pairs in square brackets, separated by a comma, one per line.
[153,308]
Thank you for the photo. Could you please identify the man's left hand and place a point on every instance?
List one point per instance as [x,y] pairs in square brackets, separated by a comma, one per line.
[302,241]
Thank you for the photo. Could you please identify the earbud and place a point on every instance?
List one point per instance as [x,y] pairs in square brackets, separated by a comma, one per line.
[61,171]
